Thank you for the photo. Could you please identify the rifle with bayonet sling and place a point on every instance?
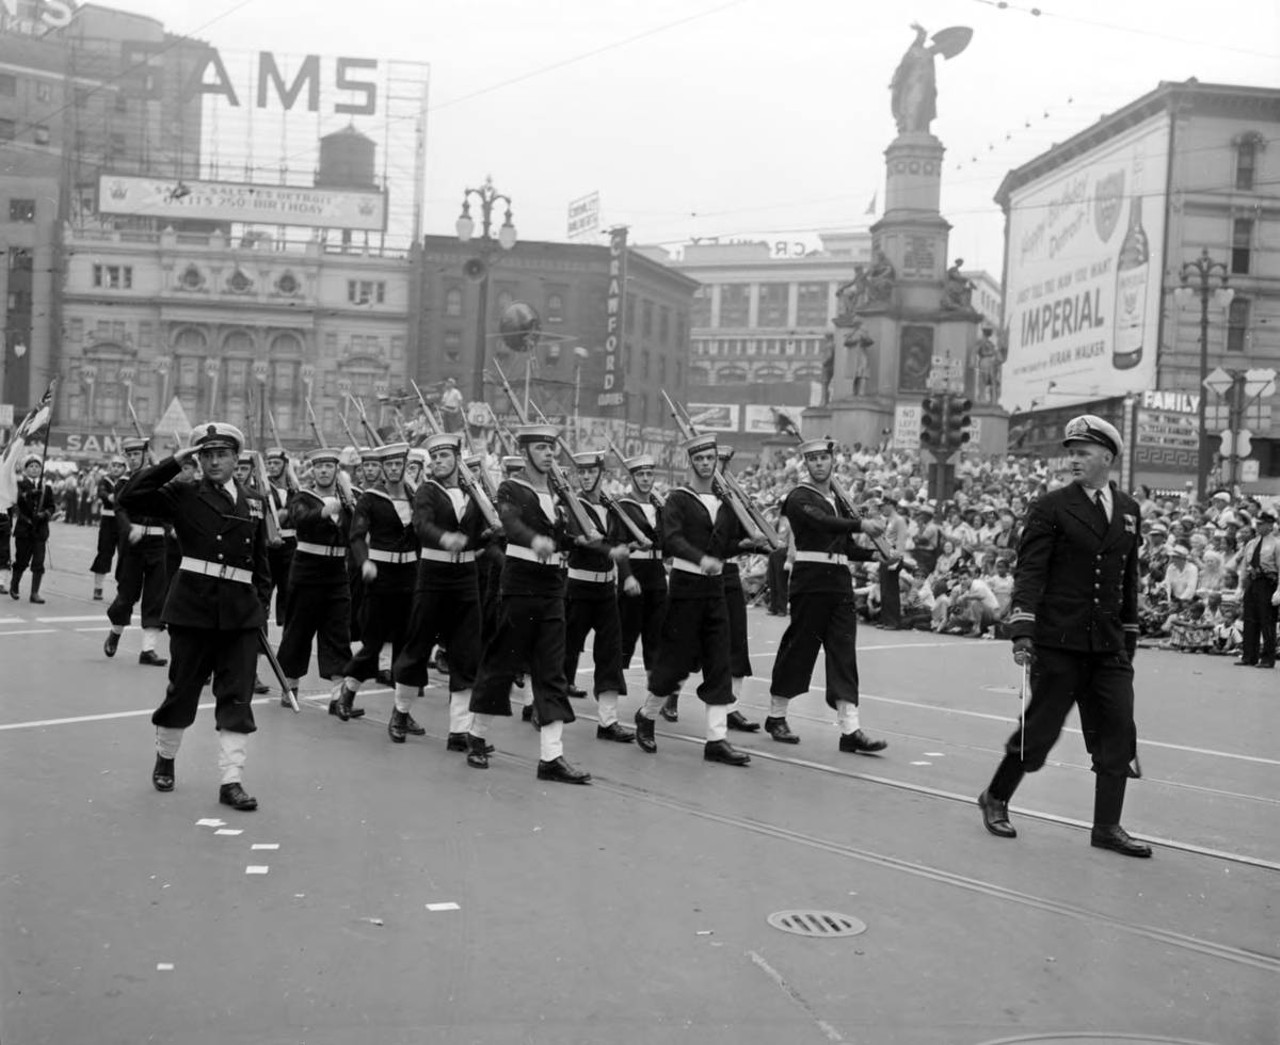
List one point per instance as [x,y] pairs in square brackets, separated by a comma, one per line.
[466,480]
[559,482]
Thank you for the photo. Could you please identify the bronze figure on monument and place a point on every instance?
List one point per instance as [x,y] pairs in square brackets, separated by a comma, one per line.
[914,88]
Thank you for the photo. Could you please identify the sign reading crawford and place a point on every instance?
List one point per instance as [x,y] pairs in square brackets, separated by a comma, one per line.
[233,201]
[611,395]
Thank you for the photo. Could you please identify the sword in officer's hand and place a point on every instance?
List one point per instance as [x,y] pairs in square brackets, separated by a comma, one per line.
[285,689]
[1022,718]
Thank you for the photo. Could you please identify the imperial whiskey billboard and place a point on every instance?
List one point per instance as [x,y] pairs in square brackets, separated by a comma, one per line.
[1083,261]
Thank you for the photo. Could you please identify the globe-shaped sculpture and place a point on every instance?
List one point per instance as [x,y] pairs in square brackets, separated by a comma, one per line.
[519,326]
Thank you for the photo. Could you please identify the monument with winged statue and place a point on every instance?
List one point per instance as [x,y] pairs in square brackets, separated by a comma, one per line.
[905,325]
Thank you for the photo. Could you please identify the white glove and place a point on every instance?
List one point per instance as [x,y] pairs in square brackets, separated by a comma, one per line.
[136,533]
[332,508]
[369,569]
[543,547]
[631,586]
[453,542]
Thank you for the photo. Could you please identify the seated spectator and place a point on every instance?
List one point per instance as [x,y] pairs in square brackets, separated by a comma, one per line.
[1181,578]
[1001,585]
[979,604]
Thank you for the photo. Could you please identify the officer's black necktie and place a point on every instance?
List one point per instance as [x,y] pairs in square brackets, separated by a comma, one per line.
[1102,508]
[1255,561]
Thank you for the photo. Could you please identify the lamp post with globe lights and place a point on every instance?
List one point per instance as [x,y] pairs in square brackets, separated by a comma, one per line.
[487,245]
[1198,279]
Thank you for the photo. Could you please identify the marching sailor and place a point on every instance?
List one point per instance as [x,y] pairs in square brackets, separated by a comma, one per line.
[108,532]
[823,614]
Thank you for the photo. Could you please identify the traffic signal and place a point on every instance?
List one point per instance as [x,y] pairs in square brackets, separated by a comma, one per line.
[931,422]
[957,423]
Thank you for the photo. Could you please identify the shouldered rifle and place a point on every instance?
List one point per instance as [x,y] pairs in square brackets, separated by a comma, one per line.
[290,476]
[374,438]
[731,495]
[355,441]
[610,505]
[150,456]
[259,476]
[559,482]
[473,489]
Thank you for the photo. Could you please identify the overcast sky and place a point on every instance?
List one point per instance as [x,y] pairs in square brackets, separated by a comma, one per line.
[745,118]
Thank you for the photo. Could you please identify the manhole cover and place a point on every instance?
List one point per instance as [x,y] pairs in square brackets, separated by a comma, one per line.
[816,923]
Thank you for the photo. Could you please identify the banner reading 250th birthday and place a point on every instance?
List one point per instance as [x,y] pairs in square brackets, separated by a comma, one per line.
[1084,251]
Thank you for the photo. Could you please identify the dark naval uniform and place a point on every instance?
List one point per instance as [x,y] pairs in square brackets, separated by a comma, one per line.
[641,615]
[695,629]
[32,512]
[382,532]
[141,571]
[446,599]
[531,619]
[317,595]
[591,604]
[282,556]
[217,602]
[823,614]
[1075,596]
[108,532]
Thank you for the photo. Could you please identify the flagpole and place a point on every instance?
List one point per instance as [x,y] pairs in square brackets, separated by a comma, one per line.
[44,450]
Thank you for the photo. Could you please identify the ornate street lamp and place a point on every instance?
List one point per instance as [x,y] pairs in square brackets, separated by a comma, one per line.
[1198,278]
[478,268]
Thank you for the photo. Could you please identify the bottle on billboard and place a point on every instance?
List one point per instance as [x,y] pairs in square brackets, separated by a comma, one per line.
[1131,283]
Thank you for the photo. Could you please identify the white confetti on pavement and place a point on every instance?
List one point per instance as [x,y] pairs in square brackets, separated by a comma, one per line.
[443,907]
[211,821]
[164,966]
[265,845]
[257,869]
[228,831]
[922,763]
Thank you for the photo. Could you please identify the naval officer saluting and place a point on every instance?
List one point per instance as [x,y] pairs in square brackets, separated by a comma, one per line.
[216,605]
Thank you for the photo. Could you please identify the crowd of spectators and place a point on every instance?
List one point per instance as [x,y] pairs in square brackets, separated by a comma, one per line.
[959,556]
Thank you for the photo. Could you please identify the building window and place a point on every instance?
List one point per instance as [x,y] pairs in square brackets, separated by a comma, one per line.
[118,147]
[453,302]
[735,304]
[22,210]
[8,85]
[44,92]
[452,343]
[122,103]
[811,305]
[40,133]
[8,130]
[366,292]
[1246,161]
[681,326]
[664,325]
[701,315]
[662,370]
[555,308]
[505,298]
[80,98]
[1241,244]
[145,335]
[631,313]
[75,330]
[646,319]
[1237,324]
[772,311]
[644,364]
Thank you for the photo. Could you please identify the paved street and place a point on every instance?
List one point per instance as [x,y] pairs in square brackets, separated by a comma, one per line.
[389,894]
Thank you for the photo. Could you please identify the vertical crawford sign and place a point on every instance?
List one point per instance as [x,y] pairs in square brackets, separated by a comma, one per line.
[612,394]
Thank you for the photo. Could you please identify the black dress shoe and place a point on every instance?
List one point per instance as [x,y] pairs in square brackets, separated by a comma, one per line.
[341,705]
[644,734]
[859,742]
[671,709]
[1266,664]
[1118,840]
[461,742]
[562,772]
[723,751]
[1245,664]
[14,594]
[739,721]
[577,693]
[478,755]
[995,816]
[97,596]
[111,644]
[259,686]
[234,795]
[411,726]
[780,731]
[616,732]
[395,726]
[384,678]
[37,598]
[162,775]
[154,660]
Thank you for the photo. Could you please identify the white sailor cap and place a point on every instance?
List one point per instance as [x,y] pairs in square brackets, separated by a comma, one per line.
[443,441]
[212,435]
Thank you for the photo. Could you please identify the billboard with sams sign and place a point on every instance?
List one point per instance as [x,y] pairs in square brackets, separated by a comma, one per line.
[230,201]
[1083,253]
